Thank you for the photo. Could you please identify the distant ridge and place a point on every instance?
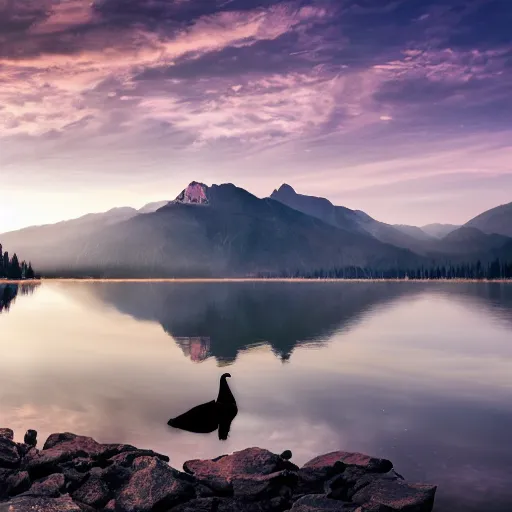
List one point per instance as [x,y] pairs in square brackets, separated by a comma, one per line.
[339,216]
[497,220]
[207,231]
[225,231]
[439,230]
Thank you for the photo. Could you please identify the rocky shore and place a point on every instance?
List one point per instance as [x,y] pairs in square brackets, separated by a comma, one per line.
[76,474]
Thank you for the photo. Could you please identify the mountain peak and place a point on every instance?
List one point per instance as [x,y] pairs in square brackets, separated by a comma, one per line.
[285,189]
[195,193]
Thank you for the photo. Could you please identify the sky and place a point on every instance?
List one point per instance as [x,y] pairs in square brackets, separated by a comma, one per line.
[400,108]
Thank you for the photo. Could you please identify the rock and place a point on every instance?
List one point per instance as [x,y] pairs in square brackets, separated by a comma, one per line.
[110,506]
[261,487]
[230,505]
[115,476]
[249,475]
[202,491]
[320,503]
[5,474]
[47,462]
[122,478]
[7,433]
[18,483]
[354,478]
[25,449]
[84,507]
[81,446]
[240,465]
[93,492]
[273,505]
[330,460]
[286,455]
[396,496]
[74,479]
[153,484]
[31,438]
[50,486]
[315,473]
[126,457]
[198,505]
[38,504]
[9,455]
[64,438]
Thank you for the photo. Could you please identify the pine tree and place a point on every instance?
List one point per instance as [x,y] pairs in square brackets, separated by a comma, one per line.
[6,264]
[15,269]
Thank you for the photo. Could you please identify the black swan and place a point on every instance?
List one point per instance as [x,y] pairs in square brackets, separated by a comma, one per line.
[205,418]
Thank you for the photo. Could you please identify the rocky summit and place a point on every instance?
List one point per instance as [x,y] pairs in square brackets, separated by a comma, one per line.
[74,473]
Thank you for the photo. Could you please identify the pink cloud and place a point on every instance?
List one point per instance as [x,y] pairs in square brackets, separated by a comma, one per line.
[288,105]
[57,82]
[445,65]
[65,15]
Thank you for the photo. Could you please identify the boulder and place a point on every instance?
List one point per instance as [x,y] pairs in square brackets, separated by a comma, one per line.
[74,479]
[17,483]
[153,484]
[30,438]
[124,454]
[198,505]
[94,491]
[396,496]
[84,507]
[7,433]
[315,473]
[345,485]
[242,465]
[264,487]
[25,449]
[50,486]
[121,478]
[38,504]
[286,455]
[88,447]
[9,455]
[251,474]
[360,460]
[110,506]
[46,462]
[320,503]
[277,504]
[72,442]
[231,505]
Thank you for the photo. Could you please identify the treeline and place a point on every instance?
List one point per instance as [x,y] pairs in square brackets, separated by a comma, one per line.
[496,269]
[12,268]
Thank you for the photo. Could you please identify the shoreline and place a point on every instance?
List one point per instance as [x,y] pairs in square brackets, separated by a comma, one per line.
[74,473]
[245,280]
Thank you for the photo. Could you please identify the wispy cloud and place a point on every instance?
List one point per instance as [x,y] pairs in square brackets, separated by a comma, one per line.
[46,77]
[315,88]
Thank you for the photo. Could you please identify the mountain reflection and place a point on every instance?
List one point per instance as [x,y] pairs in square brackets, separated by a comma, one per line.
[221,319]
[9,292]
[198,349]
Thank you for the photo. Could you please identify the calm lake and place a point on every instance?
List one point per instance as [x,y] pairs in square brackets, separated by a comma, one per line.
[420,373]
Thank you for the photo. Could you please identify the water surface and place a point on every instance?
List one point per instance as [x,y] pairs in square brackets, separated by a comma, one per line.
[420,373]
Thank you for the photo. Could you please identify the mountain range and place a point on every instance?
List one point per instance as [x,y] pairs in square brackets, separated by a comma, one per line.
[225,231]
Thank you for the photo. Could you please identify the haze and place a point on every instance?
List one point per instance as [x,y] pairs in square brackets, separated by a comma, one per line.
[399,108]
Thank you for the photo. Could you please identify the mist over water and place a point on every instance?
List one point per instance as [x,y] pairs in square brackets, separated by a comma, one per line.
[420,373]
